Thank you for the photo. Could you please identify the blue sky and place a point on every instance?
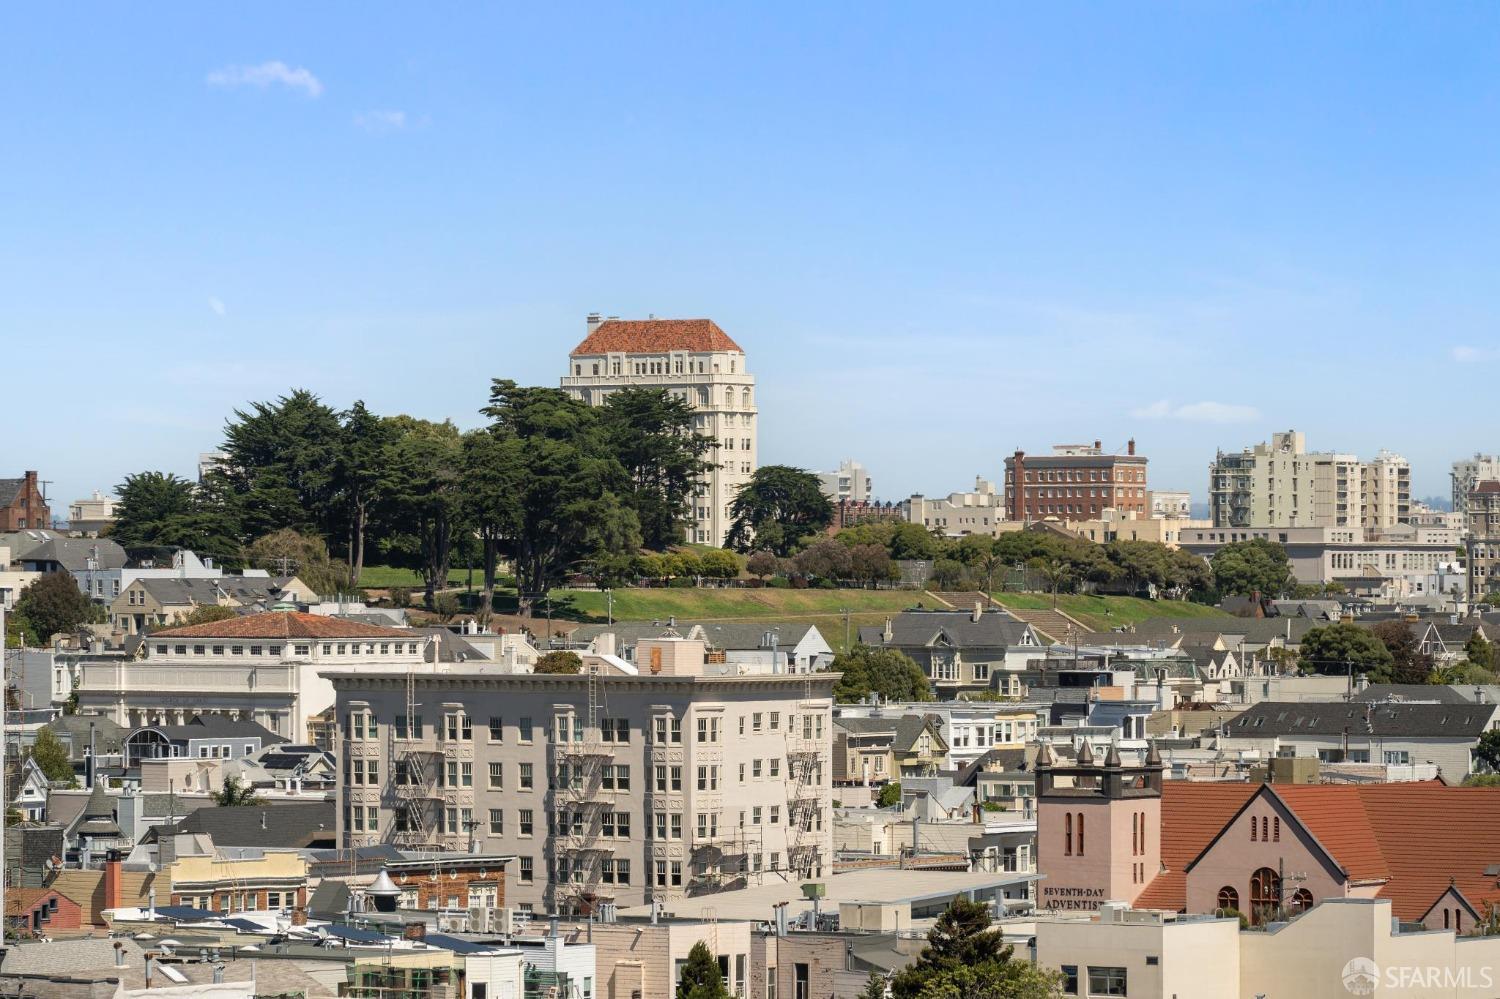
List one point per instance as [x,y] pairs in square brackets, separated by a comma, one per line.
[939,233]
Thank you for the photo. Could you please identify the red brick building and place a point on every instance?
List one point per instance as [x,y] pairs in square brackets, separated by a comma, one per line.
[21,504]
[1075,482]
[32,912]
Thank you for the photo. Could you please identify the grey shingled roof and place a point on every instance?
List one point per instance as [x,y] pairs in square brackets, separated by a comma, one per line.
[903,730]
[913,629]
[9,489]
[216,727]
[1376,692]
[1206,630]
[292,825]
[1450,721]
[73,554]
[240,589]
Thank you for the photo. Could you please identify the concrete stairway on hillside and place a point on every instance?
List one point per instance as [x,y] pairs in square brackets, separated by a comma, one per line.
[1049,624]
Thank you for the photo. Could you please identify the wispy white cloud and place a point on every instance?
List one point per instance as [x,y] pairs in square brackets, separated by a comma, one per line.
[267,74]
[218,306]
[1473,355]
[381,121]
[1197,412]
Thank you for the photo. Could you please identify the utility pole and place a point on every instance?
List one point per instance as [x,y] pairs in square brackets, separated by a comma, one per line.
[846,629]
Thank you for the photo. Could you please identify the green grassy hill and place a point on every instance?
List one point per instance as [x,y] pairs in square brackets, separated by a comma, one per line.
[1107,613]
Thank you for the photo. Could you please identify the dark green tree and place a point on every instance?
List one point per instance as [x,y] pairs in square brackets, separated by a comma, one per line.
[1343,648]
[568,487]
[776,509]
[890,794]
[561,661]
[361,454]
[650,433]
[700,977]
[825,559]
[54,604]
[282,467]
[1480,651]
[912,541]
[422,489]
[1245,568]
[866,670]
[492,486]
[1488,750]
[961,938]
[52,757]
[159,513]
[1409,664]
[720,563]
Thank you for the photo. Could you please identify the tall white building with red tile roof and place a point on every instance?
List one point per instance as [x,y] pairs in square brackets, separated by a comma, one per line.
[694,360]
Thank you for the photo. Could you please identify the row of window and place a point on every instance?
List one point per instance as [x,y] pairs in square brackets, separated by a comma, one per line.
[1079,475]
[327,649]
[568,727]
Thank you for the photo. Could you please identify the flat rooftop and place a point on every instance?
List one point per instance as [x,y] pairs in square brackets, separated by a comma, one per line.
[879,886]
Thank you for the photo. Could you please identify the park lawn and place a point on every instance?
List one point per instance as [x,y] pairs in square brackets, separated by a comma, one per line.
[732,604]
[1107,613]
[380,577]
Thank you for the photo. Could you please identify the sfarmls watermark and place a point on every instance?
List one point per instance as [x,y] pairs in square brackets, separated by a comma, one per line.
[1363,977]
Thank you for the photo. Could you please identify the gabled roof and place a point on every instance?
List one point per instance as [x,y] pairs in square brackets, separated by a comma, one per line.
[1411,692]
[73,554]
[1192,814]
[294,825]
[649,336]
[1390,720]
[178,591]
[9,489]
[995,629]
[285,624]
[1335,816]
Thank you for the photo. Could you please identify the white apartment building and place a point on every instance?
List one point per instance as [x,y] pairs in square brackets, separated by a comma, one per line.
[1282,484]
[981,511]
[850,484]
[1169,503]
[263,668]
[607,786]
[694,360]
[1468,473]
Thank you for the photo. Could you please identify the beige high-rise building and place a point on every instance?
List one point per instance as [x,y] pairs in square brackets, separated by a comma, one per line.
[694,360]
[607,788]
[1282,484]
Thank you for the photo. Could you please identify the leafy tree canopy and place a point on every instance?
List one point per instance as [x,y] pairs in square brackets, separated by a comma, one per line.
[54,604]
[700,977]
[890,794]
[777,508]
[892,674]
[207,614]
[561,661]
[1335,649]
[1409,664]
[52,756]
[650,432]
[960,940]
[236,792]
[1245,568]
[288,552]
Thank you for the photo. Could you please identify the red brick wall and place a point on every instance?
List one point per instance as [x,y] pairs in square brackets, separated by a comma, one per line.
[28,510]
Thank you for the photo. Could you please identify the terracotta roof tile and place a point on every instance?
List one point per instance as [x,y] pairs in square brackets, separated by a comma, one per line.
[1192,814]
[283,624]
[649,336]
[1335,815]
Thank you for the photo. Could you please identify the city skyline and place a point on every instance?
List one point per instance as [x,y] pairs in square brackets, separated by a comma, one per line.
[938,241]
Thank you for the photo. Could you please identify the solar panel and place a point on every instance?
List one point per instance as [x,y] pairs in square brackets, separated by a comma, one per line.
[455,944]
[186,913]
[356,935]
[245,924]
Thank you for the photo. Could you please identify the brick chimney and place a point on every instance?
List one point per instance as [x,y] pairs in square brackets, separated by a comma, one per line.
[299,916]
[112,880]
[1017,485]
[414,931]
[1130,446]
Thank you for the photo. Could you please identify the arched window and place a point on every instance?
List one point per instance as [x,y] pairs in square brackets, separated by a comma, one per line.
[1263,831]
[1276,830]
[1080,834]
[1143,834]
[1229,898]
[1254,829]
[1135,834]
[1265,894]
[1447,925]
[1067,834]
[1302,900]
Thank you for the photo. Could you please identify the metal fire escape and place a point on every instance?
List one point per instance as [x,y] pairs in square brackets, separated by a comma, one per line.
[806,755]
[581,800]
[416,777]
